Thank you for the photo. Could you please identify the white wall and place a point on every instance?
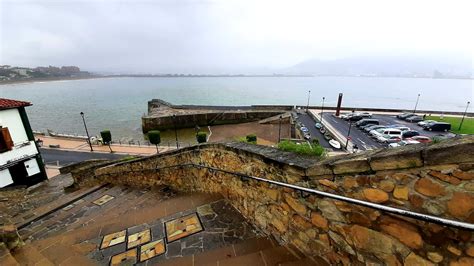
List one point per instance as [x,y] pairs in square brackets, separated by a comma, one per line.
[5,178]
[11,118]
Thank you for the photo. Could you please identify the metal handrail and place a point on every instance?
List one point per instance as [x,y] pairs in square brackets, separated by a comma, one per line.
[402,212]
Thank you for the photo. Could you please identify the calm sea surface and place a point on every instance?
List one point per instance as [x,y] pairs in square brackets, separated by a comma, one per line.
[118,103]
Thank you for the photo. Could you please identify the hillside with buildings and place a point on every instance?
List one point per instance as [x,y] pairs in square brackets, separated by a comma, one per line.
[10,74]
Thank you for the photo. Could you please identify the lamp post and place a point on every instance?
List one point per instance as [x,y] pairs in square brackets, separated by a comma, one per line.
[348,134]
[175,131]
[464,115]
[418,98]
[322,110]
[87,132]
[307,106]
[279,130]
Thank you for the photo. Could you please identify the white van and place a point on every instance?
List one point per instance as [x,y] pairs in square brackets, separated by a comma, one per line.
[392,132]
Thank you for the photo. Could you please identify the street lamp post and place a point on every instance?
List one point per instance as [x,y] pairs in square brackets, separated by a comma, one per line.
[348,134]
[87,132]
[279,130]
[322,110]
[418,98]
[175,131]
[307,106]
[464,115]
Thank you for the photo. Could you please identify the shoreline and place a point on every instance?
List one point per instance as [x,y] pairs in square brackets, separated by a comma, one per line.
[37,80]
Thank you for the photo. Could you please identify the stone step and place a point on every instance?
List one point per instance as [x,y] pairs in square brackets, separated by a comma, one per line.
[6,258]
[271,256]
[306,262]
[28,255]
[27,218]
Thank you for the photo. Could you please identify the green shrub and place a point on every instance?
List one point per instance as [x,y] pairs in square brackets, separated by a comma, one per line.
[106,137]
[251,138]
[201,137]
[154,136]
[303,148]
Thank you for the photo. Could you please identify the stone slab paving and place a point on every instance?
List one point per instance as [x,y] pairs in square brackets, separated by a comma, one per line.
[214,225]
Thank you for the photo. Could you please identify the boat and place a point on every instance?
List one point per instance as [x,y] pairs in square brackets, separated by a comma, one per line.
[335,144]
[69,136]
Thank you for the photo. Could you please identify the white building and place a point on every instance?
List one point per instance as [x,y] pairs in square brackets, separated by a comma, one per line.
[20,160]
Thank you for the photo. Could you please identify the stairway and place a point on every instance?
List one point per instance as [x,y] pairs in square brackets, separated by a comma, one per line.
[69,230]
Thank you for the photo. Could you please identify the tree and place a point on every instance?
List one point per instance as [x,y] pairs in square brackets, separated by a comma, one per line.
[106,138]
[155,138]
[201,137]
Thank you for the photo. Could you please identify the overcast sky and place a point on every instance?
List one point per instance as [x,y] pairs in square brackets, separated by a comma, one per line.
[218,36]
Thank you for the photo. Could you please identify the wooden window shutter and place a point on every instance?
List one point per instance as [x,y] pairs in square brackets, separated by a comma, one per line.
[7,138]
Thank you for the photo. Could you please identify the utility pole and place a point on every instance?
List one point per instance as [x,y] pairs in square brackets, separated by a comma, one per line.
[87,132]
[464,115]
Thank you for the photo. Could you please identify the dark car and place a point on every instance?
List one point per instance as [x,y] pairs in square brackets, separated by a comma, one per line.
[404,115]
[373,127]
[438,126]
[355,118]
[365,122]
[415,118]
[410,133]
[407,116]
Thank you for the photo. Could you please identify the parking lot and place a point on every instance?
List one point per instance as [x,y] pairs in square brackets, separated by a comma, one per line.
[362,139]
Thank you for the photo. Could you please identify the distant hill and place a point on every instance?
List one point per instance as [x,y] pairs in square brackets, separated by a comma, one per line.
[437,67]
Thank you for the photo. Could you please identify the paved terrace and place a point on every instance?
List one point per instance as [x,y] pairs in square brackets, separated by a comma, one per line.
[117,225]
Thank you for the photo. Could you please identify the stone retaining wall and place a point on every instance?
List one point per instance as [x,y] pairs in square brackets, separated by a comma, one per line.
[434,179]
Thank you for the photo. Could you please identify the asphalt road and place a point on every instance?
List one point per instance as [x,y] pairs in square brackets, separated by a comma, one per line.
[315,134]
[51,156]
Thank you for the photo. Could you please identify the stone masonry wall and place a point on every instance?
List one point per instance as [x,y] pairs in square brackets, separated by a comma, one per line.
[434,179]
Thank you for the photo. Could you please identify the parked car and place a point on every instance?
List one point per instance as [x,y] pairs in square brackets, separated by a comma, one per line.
[392,132]
[307,135]
[425,122]
[388,139]
[422,139]
[403,128]
[377,132]
[405,116]
[318,125]
[355,117]
[366,121]
[415,118]
[403,143]
[409,134]
[438,126]
[304,129]
[373,127]
[366,115]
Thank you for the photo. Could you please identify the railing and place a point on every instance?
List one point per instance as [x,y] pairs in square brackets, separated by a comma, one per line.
[402,212]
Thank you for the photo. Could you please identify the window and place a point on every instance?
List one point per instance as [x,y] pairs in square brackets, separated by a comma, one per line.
[6,142]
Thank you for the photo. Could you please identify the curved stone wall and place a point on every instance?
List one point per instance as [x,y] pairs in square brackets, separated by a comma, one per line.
[434,179]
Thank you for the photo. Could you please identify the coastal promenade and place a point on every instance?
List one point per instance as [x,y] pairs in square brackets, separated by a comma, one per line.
[82,146]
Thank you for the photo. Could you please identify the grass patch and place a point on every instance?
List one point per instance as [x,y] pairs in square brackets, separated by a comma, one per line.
[303,148]
[467,126]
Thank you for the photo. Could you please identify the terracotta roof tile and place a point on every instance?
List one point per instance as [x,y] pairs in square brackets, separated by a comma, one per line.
[8,104]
